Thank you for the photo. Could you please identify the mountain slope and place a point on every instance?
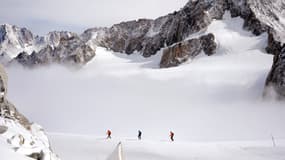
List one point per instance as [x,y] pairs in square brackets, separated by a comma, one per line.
[22,136]
[150,36]
[210,98]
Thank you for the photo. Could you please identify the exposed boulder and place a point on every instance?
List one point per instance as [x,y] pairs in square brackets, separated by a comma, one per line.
[180,52]
[37,156]
[189,49]
[3,129]
[208,43]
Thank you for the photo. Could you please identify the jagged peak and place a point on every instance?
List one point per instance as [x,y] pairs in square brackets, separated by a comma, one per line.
[6,25]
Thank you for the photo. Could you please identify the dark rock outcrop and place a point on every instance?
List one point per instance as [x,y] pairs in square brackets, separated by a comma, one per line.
[3,129]
[274,47]
[189,49]
[9,111]
[180,52]
[37,156]
[276,79]
[208,43]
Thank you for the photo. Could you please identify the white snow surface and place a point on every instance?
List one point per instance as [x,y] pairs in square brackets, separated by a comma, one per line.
[208,102]
[9,154]
[72,147]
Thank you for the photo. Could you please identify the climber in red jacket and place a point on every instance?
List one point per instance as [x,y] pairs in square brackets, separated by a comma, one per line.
[109,134]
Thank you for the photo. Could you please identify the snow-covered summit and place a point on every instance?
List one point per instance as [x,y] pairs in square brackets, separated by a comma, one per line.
[21,46]
[14,40]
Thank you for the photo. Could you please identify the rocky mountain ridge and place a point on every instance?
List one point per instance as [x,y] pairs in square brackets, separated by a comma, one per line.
[149,36]
[21,46]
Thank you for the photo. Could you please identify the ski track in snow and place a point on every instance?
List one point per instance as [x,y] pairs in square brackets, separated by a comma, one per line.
[100,149]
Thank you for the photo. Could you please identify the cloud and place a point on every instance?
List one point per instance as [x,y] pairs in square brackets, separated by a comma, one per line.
[211,98]
[65,14]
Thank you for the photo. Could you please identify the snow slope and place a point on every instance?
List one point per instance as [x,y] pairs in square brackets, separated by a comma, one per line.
[90,148]
[9,154]
[208,99]
[24,142]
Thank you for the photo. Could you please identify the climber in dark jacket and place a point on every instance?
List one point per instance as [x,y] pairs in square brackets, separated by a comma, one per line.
[171,136]
[139,134]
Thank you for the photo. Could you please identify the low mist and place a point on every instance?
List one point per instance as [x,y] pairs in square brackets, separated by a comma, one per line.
[210,98]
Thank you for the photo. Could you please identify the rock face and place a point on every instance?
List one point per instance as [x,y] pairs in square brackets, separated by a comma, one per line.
[180,52]
[274,47]
[272,14]
[244,9]
[8,111]
[189,49]
[149,36]
[276,77]
[144,35]
[24,137]
[266,16]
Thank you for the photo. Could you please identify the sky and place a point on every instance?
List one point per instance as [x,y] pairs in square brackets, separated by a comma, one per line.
[42,16]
